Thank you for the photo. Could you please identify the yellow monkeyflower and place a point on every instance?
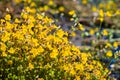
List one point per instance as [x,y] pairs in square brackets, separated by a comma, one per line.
[94,9]
[61,8]
[117,12]
[11,50]
[73,34]
[115,44]
[54,53]
[17,20]
[51,3]
[81,27]
[73,72]
[31,66]
[3,47]
[91,32]
[101,13]
[109,54]
[24,15]
[18,1]
[108,13]
[71,13]
[45,8]
[8,17]
[105,32]
[84,1]
[4,54]
[60,33]
[77,78]
[108,45]
[40,49]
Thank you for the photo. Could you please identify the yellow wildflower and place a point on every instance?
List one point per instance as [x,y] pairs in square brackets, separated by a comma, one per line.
[32,4]
[109,54]
[11,50]
[108,13]
[54,53]
[61,8]
[17,20]
[71,13]
[115,44]
[40,49]
[24,15]
[81,27]
[18,1]
[73,34]
[94,9]
[91,67]
[108,45]
[77,78]
[3,47]
[8,17]
[79,67]
[91,32]
[4,54]
[73,72]
[31,66]
[101,13]
[105,32]
[117,12]
[84,1]
[101,5]
[34,52]
[60,33]
[45,8]
[65,67]
[50,2]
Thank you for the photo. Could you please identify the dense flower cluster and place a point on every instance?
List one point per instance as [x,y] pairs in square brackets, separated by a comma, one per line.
[32,47]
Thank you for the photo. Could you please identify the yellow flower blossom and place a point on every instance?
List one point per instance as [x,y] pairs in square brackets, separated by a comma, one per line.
[40,49]
[60,33]
[72,72]
[92,32]
[4,54]
[51,3]
[84,1]
[81,27]
[54,53]
[8,17]
[71,13]
[109,54]
[94,9]
[77,78]
[61,8]
[31,66]
[18,1]
[117,12]
[108,45]
[109,14]
[115,44]
[17,20]
[11,50]
[105,32]
[3,47]
[45,8]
